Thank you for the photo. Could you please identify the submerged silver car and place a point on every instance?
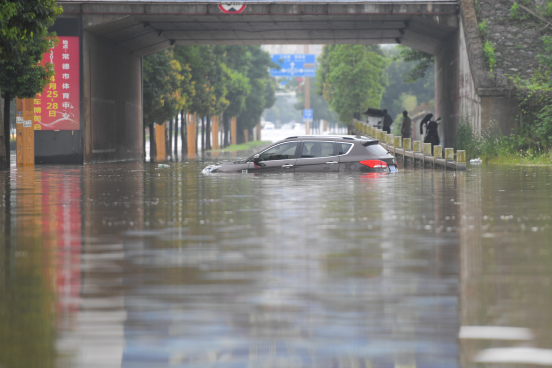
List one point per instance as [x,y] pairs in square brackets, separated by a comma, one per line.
[315,153]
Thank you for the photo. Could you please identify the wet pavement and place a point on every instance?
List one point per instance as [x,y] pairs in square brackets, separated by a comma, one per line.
[128,265]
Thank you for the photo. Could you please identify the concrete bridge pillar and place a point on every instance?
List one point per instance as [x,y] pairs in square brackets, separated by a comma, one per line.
[447,88]
[112,101]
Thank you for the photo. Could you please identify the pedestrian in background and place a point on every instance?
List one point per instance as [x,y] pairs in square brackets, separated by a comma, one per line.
[387,121]
[406,129]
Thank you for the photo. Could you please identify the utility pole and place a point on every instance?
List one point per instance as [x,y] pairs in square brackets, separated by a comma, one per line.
[307,94]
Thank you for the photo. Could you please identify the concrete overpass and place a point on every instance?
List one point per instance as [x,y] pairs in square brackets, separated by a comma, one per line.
[115,35]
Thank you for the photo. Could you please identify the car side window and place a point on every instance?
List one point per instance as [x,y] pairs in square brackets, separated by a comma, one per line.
[343,148]
[282,151]
[317,149]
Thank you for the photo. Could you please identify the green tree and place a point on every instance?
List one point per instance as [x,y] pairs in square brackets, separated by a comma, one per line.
[22,21]
[24,78]
[238,90]
[398,91]
[23,24]
[263,89]
[166,90]
[354,79]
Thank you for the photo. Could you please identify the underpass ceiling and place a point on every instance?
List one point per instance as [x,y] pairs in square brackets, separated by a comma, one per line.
[144,30]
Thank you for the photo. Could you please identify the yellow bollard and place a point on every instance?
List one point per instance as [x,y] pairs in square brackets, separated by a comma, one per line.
[397,142]
[461,156]
[389,139]
[417,146]
[427,149]
[449,154]
[438,151]
[407,143]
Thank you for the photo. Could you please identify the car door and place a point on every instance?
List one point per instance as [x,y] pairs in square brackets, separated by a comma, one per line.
[278,158]
[347,162]
[317,156]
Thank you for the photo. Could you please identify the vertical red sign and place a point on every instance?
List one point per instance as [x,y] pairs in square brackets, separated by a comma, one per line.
[58,106]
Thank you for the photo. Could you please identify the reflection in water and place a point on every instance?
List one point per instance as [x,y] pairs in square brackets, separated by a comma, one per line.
[506,266]
[129,265]
[27,315]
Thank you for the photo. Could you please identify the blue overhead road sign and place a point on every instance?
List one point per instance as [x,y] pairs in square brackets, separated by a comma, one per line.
[294,65]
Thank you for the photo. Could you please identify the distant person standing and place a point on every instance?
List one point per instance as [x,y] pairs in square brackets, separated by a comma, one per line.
[406,129]
[387,121]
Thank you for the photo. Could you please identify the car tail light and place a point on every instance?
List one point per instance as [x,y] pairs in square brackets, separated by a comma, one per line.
[374,164]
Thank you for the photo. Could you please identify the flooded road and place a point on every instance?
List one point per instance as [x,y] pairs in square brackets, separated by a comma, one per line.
[127,265]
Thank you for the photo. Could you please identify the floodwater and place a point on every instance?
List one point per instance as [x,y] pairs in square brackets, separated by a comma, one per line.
[126,265]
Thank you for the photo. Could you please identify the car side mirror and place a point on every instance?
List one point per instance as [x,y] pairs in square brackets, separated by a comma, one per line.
[256,158]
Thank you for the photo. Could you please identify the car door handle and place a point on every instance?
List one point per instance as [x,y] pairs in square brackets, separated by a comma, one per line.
[331,162]
[287,166]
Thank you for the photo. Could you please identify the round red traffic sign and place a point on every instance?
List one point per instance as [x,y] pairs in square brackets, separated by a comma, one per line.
[232,7]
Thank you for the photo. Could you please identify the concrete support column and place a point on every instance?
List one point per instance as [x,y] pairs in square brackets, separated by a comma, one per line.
[112,95]
[447,89]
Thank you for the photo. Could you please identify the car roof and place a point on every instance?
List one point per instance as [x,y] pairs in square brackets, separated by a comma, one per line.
[337,138]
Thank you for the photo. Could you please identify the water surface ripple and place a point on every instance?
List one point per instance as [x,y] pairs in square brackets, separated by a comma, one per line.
[127,265]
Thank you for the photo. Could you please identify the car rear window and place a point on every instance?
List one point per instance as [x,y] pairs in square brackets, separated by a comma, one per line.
[377,150]
[343,148]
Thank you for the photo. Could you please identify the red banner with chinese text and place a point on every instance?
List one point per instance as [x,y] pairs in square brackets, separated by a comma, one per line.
[58,107]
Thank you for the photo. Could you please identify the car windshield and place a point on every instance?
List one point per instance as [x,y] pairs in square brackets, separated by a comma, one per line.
[282,151]
[377,150]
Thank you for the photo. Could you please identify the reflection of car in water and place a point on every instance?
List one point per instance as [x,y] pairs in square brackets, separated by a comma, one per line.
[315,154]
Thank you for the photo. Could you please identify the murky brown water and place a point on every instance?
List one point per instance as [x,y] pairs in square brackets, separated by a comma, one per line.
[126,265]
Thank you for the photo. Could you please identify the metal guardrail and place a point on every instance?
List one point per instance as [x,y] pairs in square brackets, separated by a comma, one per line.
[416,154]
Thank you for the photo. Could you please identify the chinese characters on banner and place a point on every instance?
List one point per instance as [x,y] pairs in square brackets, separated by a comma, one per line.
[58,106]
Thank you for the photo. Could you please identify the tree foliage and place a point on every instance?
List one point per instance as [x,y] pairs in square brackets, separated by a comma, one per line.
[168,87]
[352,79]
[22,21]
[398,95]
[229,80]
[263,88]
[26,77]
[424,62]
